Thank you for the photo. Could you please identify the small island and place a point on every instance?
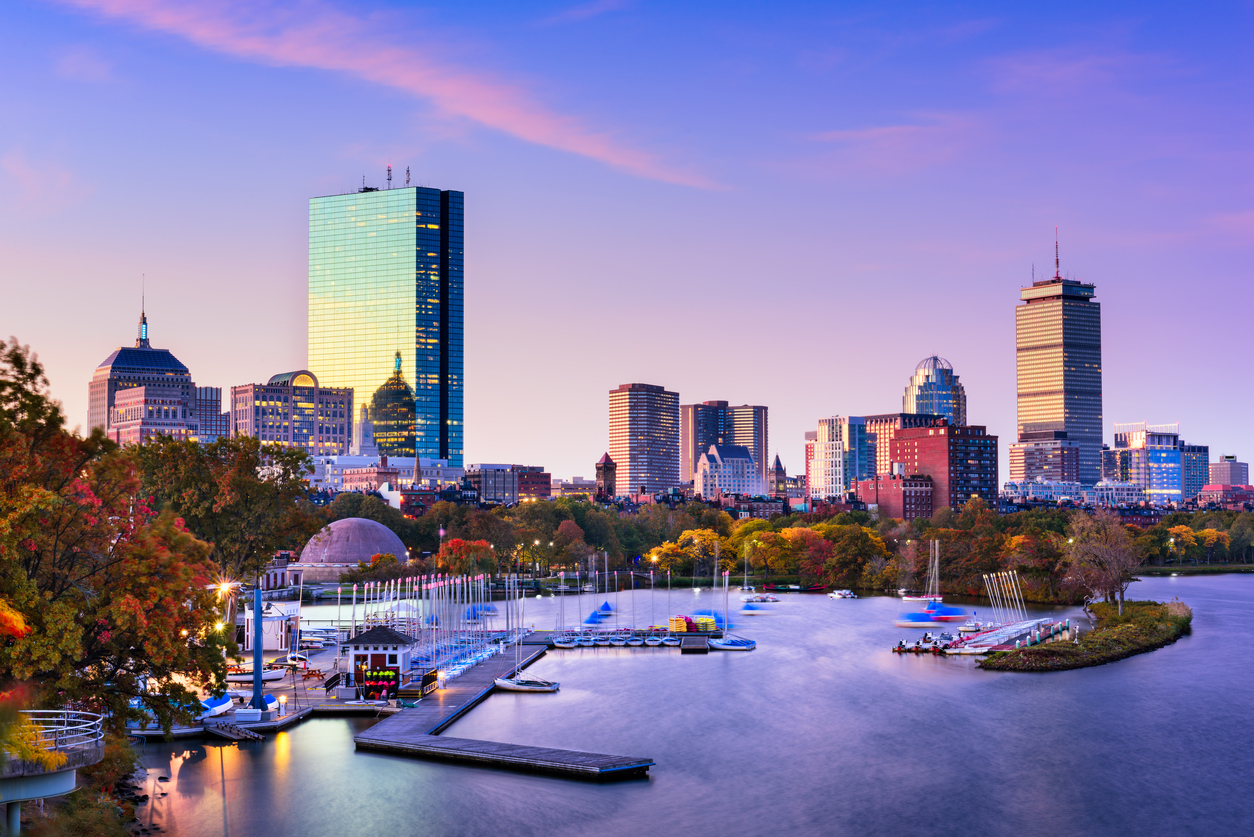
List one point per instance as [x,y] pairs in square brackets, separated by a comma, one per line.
[1142,626]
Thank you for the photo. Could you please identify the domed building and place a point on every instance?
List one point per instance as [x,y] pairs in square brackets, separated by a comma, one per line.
[935,389]
[344,544]
[394,415]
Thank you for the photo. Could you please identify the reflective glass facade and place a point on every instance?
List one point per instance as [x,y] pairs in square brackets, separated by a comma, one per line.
[1058,349]
[934,389]
[386,282]
[644,438]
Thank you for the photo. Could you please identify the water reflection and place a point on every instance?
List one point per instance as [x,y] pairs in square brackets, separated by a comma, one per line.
[819,731]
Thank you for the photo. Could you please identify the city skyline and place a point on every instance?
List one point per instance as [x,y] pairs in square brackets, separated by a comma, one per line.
[886,117]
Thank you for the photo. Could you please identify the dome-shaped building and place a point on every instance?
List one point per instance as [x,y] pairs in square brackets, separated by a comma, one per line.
[342,545]
[935,390]
[394,414]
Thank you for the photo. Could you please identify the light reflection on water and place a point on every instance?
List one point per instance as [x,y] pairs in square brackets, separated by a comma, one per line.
[820,731]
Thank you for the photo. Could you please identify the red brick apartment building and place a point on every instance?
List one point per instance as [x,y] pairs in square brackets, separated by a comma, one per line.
[962,461]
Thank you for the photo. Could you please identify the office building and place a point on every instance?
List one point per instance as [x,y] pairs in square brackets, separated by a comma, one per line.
[843,454]
[295,410]
[1043,491]
[962,462]
[534,483]
[1194,469]
[1114,494]
[1057,460]
[1149,456]
[386,312]
[140,413]
[214,422]
[727,469]
[935,390]
[576,487]
[369,478]
[716,423]
[811,439]
[1058,351]
[897,495]
[507,484]
[1228,471]
[644,438]
[137,366]
[885,426]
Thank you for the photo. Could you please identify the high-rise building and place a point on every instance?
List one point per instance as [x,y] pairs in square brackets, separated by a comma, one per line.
[962,462]
[811,439]
[844,452]
[214,423]
[1150,456]
[1058,351]
[1194,468]
[1057,460]
[716,423]
[140,413]
[295,410]
[883,427]
[138,366]
[386,295]
[644,438]
[1228,471]
[935,390]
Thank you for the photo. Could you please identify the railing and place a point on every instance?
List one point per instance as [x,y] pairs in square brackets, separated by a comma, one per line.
[64,729]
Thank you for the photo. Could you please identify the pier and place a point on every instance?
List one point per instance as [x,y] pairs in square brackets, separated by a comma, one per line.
[415,732]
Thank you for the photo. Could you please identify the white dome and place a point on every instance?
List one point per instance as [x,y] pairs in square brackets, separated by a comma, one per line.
[350,541]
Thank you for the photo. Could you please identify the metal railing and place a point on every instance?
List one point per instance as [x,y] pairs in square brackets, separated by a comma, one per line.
[65,729]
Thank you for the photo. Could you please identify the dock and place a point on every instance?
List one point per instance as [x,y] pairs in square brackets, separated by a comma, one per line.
[694,645]
[415,732]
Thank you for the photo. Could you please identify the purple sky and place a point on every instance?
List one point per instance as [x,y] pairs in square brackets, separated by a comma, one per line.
[780,204]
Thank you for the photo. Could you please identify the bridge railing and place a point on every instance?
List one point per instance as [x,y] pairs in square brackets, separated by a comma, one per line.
[66,729]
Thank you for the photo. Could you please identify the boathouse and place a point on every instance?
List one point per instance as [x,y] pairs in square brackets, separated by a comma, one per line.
[379,655]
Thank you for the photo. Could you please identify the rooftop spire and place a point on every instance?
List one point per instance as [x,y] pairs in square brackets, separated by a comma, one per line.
[141,341]
[1057,270]
[398,360]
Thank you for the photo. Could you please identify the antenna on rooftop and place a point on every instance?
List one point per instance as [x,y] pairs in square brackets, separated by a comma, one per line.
[389,175]
[407,175]
[1057,272]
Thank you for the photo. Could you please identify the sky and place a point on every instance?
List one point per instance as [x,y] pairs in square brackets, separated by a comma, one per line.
[787,204]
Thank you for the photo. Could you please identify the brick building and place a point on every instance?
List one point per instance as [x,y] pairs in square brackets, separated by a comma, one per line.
[902,497]
[962,462]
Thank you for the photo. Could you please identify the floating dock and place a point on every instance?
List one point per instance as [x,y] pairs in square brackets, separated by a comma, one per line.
[415,732]
[694,644]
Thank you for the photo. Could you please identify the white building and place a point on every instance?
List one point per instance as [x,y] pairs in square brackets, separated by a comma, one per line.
[727,469]
[1043,491]
[329,471]
[1114,494]
[843,454]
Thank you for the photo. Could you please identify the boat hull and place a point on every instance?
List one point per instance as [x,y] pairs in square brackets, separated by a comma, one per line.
[510,685]
[267,676]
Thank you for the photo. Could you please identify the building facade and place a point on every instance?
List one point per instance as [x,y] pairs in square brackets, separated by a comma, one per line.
[1154,457]
[293,410]
[1114,494]
[138,366]
[1053,461]
[885,426]
[935,390]
[1058,352]
[727,469]
[214,422]
[811,440]
[844,452]
[1043,491]
[534,483]
[144,412]
[576,487]
[1228,471]
[716,423]
[962,462]
[370,478]
[495,483]
[1194,469]
[386,295]
[607,478]
[644,438]
[896,495]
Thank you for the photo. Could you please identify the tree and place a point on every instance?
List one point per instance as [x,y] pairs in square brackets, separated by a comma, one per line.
[1211,539]
[702,545]
[1182,539]
[668,557]
[462,557]
[116,598]
[246,500]
[1101,555]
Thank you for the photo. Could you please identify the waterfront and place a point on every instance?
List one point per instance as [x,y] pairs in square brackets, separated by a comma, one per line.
[820,730]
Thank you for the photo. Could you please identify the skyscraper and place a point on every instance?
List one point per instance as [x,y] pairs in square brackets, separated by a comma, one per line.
[644,438]
[715,423]
[386,312]
[844,452]
[293,410]
[170,388]
[1058,350]
[934,389]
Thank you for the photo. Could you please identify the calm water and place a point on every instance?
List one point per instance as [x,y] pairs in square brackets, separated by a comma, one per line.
[821,730]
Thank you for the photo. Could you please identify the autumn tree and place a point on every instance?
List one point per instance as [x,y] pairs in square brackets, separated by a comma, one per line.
[462,557]
[116,597]
[1101,555]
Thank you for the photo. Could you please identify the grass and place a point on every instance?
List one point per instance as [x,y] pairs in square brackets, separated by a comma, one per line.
[1144,626]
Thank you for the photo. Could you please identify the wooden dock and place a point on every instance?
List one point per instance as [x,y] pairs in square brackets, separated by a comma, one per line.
[415,732]
[694,645]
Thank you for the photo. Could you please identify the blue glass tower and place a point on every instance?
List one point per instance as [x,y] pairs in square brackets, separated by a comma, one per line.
[386,309]
[935,389]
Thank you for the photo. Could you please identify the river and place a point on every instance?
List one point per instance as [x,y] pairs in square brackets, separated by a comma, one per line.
[821,730]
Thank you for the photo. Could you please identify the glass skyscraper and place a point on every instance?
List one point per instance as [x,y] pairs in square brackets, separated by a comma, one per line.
[935,389]
[386,312]
[1058,350]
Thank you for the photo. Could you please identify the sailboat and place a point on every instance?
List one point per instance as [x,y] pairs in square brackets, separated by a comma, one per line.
[745,585]
[518,683]
[730,642]
[933,593]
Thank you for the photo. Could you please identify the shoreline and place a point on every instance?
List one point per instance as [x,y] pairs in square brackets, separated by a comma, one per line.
[1144,626]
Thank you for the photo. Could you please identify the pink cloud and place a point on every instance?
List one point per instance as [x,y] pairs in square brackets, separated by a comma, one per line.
[901,149]
[42,186]
[315,35]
